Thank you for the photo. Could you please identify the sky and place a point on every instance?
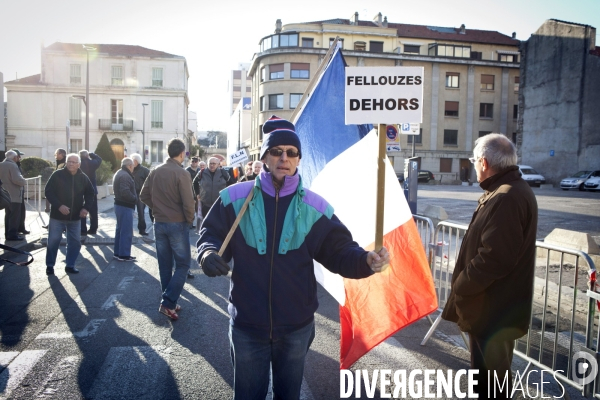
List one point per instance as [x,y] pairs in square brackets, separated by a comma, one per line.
[216,36]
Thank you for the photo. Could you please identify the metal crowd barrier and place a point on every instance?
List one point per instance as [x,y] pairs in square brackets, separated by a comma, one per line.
[562,319]
[426,232]
[33,196]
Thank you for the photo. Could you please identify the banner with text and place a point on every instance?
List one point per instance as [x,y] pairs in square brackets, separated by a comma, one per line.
[239,157]
[384,95]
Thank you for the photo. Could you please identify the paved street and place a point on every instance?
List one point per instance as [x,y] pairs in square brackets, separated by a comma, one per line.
[98,334]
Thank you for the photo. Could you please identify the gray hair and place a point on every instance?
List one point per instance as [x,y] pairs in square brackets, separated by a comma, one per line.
[84,154]
[136,157]
[10,155]
[73,155]
[497,149]
[257,163]
[126,162]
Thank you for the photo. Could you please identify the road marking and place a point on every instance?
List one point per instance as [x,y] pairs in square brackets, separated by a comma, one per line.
[90,329]
[67,368]
[6,357]
[125,282]
[11,377]
[111,302]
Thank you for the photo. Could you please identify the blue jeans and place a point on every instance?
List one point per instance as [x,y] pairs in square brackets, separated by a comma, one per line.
[172,250]
[252,357]
[124,232]
[55,230]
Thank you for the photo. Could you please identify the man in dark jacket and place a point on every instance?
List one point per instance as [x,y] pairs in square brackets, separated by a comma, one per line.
[70,192]
[125,201]
[492,283]
[208,183]
[140,173]
[273,291]
[90,162]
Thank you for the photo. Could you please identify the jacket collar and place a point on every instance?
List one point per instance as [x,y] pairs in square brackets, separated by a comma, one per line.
[172,160]
[290,183]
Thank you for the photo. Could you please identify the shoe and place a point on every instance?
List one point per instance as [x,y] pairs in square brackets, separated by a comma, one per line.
[126,258]
[144,233]
[71,270]
[177,308]
[49,270]
[84,233]
[45,226]
[168,312]
[15,238]
[190,275]
[115,257]
[91,232]
[25,232]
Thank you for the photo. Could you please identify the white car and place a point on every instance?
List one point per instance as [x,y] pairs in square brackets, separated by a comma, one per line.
[592,184]
[531,176]
[576,181]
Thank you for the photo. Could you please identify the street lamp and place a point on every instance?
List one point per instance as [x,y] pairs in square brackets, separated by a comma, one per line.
[87,95]
[80,97]
[144,133]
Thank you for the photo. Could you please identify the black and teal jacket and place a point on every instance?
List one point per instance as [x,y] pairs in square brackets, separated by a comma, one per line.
[273,288]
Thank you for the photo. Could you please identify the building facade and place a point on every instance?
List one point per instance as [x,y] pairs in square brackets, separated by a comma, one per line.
[240,86]
[471,81]
[126,84]
[560,98]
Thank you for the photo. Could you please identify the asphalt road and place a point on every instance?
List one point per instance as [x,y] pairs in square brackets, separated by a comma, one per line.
[98,334]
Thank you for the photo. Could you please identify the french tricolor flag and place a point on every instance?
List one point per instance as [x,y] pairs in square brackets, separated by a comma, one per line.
[339,162]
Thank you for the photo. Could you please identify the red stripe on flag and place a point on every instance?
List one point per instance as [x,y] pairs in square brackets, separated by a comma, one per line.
[379,306]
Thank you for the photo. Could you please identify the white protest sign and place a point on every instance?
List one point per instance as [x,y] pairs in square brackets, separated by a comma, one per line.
[239,157]
[384,95]
[410,129]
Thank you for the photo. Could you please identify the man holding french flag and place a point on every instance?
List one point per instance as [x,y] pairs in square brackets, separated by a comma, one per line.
[273,292]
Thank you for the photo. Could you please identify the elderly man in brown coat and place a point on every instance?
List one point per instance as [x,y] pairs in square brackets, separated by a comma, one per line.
[13,182]
[492,283]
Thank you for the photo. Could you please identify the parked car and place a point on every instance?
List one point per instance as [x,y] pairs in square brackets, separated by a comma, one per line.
[423,177]
[577,181]
[531,176]
[592,184]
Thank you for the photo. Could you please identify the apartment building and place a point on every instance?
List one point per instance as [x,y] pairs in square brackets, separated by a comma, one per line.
[127,83]
[471,80]
[239,86]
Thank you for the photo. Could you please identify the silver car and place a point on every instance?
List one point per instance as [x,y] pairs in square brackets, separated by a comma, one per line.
[592,184]
[577,181]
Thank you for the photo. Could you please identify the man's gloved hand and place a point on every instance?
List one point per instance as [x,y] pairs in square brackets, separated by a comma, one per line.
[213,265]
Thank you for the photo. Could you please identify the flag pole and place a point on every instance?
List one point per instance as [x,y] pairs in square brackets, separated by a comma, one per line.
[380,187]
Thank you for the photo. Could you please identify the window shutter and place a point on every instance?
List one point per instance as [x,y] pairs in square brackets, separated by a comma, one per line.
[276,68]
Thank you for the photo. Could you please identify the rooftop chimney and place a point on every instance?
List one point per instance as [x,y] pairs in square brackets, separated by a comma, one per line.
[278,26]
[385,24]
[377,19]
[514,35]
[462,29]
[354,19]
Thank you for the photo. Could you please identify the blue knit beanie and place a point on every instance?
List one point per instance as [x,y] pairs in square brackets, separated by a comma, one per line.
[277,132]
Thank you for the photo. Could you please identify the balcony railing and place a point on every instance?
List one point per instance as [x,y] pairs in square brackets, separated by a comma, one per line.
[125,125]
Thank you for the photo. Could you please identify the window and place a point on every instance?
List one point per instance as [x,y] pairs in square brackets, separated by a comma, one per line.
[74,112]
[157,77]
[486,110]
[75,73]
[445,165]
[275,71]
[512,58]
[237,88]
[76,145]
[360,46]
[452,79]
[300,70]
[487,82]
[156,117]
[248,89]
[515,111]
[307,42]
[483,133]
[116,111]
[237,74]
[376,47]
[517,84]
[476,55]
[451,109]
[262,103]
[280,40]
[262,74]
[418,138]
[411,48]
[295,99]
[450,137]
[449,50]
[340,42]
[117,75]
[156,151]
[275,101]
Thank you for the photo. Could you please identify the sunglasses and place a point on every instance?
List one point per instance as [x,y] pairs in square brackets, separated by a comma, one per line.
[275,152]
[474,160]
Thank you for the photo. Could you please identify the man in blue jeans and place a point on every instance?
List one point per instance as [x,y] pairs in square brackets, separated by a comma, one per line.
[69,192]
[168,192]
[273,291]
[125,201]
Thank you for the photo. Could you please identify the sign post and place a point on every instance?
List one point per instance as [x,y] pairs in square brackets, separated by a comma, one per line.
[386,95]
